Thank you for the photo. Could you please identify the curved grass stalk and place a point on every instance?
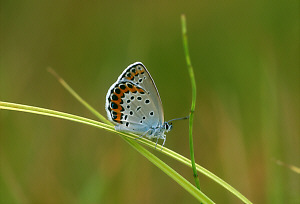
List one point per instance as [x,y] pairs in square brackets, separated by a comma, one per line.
[127,137]
[166,151]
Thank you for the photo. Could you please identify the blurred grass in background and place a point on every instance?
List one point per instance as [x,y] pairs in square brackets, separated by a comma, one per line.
[246,61]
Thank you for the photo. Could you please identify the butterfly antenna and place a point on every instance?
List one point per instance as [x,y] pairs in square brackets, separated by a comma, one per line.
[187,117]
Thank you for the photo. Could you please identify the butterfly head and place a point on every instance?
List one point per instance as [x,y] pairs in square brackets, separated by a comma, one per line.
[168,126]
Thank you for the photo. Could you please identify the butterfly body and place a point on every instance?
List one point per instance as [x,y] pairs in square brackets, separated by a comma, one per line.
[134,105]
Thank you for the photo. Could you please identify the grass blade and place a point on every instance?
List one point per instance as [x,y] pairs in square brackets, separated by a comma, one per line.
[194,92]
[127,137]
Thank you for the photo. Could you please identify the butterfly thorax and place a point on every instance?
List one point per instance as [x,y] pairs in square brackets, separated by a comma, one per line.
[159,131]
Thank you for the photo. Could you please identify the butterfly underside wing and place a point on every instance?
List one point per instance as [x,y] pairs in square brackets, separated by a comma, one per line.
[133,103]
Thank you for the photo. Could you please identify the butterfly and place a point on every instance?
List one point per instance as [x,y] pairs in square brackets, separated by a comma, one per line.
[133,104]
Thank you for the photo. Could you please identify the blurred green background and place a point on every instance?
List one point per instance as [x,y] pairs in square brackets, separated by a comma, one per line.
[246,60]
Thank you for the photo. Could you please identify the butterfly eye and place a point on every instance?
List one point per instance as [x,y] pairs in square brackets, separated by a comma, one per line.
[168,126]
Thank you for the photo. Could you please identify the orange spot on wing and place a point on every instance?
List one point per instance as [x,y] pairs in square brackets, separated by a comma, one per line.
[133,89]
[117,101]
[134,73]
[141,71]
[120,95]
[118,116]
[130,78]
[140,90]
[120,108]
[125,90]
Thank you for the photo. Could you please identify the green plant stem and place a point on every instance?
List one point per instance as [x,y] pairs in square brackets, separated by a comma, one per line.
[193,83]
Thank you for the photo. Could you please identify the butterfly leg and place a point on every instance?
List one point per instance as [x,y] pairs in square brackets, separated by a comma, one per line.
[158,137]
[163,143]
[156,142]
[142,135]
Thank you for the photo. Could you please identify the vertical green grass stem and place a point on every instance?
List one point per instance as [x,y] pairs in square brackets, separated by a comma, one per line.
[193,83]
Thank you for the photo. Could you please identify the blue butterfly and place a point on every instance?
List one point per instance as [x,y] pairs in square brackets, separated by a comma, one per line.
[134,105]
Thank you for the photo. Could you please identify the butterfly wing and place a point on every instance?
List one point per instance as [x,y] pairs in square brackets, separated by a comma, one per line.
[133,102]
